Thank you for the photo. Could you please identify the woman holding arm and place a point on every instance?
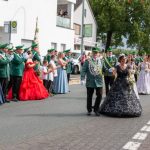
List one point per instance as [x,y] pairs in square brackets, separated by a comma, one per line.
[122,101]
[61,82]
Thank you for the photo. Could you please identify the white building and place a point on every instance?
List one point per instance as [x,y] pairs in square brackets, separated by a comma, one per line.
[54,31]
[90,25]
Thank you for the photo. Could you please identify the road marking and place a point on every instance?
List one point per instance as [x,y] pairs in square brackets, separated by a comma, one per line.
[146,128]
[140,136]
[148,123]
[132,145]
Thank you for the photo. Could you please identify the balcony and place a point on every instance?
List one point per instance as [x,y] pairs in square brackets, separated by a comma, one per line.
[63,22]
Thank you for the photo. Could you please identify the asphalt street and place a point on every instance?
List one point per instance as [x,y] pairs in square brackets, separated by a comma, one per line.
[61,123]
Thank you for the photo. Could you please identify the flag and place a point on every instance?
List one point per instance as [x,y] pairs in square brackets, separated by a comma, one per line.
[36,33]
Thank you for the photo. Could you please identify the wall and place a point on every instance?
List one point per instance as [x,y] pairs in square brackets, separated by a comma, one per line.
[25,13]
[89,19]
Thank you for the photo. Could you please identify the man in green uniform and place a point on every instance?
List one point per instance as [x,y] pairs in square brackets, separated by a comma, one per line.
[69,64]
[92,69]
[10,56]
[4,68]
[50,52]
[110,62]
[17,65]
[35,55]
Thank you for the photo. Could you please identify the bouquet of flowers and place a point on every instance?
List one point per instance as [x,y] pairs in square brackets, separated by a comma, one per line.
[131,80]
[38,72]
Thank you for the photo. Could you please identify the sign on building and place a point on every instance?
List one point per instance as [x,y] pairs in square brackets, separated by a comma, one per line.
[10,26]
[13,26]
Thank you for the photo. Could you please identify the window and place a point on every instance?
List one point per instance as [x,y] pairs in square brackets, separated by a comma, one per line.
[77,29]
[54,45]
[88,30]
[63,47]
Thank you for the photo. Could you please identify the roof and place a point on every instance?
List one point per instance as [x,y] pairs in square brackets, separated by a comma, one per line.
[78,3]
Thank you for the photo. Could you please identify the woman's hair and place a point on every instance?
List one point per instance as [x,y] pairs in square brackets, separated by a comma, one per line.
[60,54]
[120,58]
[28,52]
[45,61]
[50,66]
[53,56]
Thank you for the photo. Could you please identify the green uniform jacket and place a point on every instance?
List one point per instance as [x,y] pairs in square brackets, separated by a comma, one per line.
[4,64]
[91,80]
[108,62]
[36,57]
[69,65]
[17,65]
[48,58]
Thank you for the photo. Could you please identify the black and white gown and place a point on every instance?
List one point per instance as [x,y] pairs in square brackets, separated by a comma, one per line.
[121,101]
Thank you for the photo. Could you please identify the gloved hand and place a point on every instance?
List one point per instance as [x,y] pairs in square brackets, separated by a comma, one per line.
[82,82]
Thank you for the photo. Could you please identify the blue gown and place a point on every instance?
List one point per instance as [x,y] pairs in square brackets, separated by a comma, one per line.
[61,82]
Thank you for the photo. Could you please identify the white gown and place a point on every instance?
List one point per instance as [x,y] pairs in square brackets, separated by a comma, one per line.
[143,83]
[133,70]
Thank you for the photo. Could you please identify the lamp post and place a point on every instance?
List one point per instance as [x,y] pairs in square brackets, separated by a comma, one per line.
[82,25]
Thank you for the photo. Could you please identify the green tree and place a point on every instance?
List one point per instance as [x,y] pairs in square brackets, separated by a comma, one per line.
[123,18]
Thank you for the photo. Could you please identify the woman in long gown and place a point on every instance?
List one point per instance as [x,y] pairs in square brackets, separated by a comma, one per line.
[143,85]
[32,87]
[61,82]
[122,101]
[2,99]
[133,69]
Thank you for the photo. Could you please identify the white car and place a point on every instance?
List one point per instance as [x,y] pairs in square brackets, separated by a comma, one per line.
[76,61]
[76,54]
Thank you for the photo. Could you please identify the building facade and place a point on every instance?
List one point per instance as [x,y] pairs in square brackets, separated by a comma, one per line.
[90,26]
[55,28]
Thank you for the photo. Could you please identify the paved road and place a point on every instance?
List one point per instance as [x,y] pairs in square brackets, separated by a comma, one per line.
[60,123]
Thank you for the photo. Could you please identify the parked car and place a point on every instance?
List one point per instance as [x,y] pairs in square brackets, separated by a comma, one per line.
[76,61]
[76,55]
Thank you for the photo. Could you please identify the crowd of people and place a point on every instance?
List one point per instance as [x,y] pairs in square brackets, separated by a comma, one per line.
[24,77]
[125,78]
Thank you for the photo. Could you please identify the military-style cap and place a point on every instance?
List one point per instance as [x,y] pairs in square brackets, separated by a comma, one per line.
[26,49]
[11,48]
[19,47]
[51,50]
[134,52]
[34,45]
[67,50]
[95,49]
[4,46]
[109,49]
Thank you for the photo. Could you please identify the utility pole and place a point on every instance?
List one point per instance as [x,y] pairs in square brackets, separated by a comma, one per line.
[82,25]
[9,32]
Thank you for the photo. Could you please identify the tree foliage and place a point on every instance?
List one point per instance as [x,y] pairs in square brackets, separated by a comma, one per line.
[118,19]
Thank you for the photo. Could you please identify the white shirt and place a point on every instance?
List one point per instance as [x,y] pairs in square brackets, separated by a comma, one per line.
[50,76]
[52,62]
[44,70]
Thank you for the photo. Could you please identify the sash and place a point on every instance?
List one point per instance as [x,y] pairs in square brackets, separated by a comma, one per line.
[107,62]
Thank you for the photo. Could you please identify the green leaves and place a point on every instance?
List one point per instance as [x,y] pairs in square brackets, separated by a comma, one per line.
[124,19]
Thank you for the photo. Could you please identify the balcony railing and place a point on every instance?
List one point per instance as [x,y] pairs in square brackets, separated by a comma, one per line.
[63,22]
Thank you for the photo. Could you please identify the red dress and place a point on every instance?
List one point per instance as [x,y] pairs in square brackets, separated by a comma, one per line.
[32,87]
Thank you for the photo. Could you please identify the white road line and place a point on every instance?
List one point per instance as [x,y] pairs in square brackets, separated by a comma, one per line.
[132,145]
[146,128]
[148,123]
[140,136]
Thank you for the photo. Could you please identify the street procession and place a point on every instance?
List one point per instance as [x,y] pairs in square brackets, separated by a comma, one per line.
[24,77]
[74,74]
